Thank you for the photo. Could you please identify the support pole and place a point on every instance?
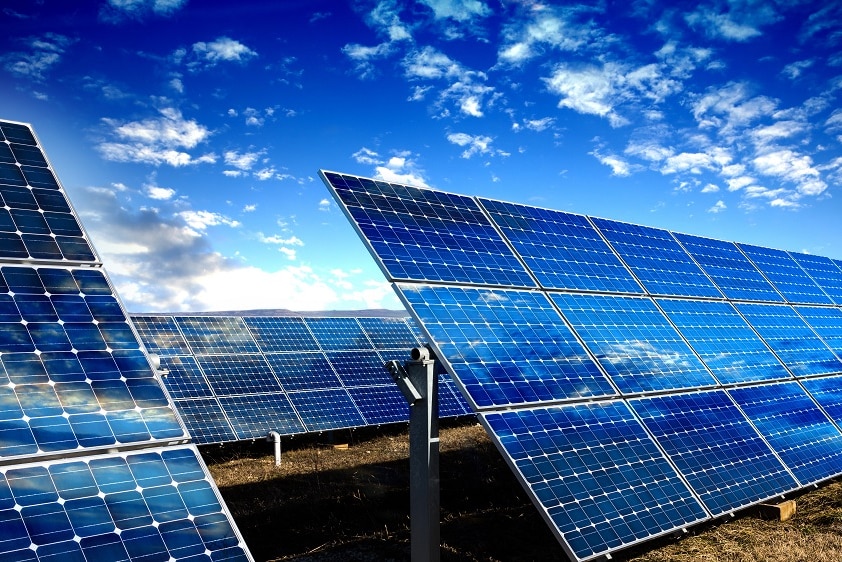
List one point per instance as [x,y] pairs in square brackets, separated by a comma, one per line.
[424,458]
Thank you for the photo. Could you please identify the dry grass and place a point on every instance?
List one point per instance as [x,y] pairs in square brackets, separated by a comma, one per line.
[327,503]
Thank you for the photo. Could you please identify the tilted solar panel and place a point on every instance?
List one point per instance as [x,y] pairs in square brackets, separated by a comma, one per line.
[96,464]
[786,275]
[216,334]
[729,269]
[280,334]
[160,335]
[825,272]
[619,361]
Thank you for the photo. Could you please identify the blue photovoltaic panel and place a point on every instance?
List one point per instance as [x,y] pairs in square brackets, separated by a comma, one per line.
[729,268]
[826,322]
[206,421]
[280,334]
[338,334]
[475,331]
[231,375]
[361,368]
[792,340]
[216,334]
[721,337]
[827,392]
[824,271]
[381,404]
[36,221]
[389,333]
[326,409]
[183,378]
[802,435]
[253,416]
[634,343]
[160,335]
[657,260]
[562,250]
[596,474]
[715,448]
[73,375]
[303,371]
[426,235]
[451,401]
[786,275]
[156,504]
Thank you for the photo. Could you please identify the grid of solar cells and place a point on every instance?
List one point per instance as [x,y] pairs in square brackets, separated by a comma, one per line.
[36,220]
[824,271]
[791,422]
[827,392]
[726,344]
[160,335]
[797,346]
[72,372]
[476,329]
[715,448]
[157,504]
[563,250]
[76,386]
[281,333]
[348,362]
[216,334]
[420,233]
[633,341]
[729,269]
[595,505]
[826,322]
[657,260]
[786,275]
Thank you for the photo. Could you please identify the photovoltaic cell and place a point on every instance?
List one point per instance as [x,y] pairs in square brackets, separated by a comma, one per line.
[206,421]
[231,375]
[791,422]
[724,341]
[563,250]
[798,347]
[360,368]
[826,322]
[427,235]
[786,275]
[824,271]
[729,269]
[714,447]
[253,415]
[326,409]
[634,343]
[657,260]
[596,505]
[183,378]
[338,334]
[827,392]
[381,404]
[160,335]
[303,371]
[476,329]
[216,334]
[389,333]
[280,334]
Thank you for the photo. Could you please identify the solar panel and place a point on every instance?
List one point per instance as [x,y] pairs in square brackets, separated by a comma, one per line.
[425,234]
[729,269]
[633,341]
[715,448]
[309,374]
[95,462]
[800,433]
[824,271]
[565,455]
[563,251]
[798,347]
[724,341]
[786,275]
[475,329]
[637,379]
[657,260]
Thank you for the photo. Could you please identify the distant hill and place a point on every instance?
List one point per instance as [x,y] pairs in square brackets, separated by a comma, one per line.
[378,312]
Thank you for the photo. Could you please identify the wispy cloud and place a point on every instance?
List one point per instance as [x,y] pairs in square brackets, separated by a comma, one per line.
[115,11]
[44,53]
[475,144]
[542,27]
[401,167]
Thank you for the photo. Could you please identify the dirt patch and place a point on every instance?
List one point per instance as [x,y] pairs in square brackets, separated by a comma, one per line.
[329,503]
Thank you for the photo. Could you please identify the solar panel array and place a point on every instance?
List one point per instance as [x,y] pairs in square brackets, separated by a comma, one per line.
[636,380]
[239,377]
[94,462]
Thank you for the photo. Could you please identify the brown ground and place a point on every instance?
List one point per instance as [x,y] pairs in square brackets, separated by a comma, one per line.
[328,503]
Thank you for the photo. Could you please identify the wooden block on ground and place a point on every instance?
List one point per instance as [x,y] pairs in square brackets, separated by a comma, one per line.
[341,447]
[781,511]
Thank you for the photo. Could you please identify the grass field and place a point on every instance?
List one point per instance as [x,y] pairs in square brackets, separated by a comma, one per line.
[330,503]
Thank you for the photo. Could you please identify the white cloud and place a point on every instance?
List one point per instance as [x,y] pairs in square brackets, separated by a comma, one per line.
[710,188]
[731,107]
[619,167]
[718,207]
[398,168]
[222,49]
[44,53]
[324,205]
[115,11]
[590,90]
[159,193]
[241,160]
[250,208]
[795,69]
[459,10]
[790,166]
[545,26]
[726,26]
[199,221]
[692,162]
[476,144]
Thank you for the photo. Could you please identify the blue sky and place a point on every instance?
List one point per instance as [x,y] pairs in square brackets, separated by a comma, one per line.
[189,134]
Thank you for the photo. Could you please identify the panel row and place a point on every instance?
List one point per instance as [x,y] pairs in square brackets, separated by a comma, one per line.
[420,234]
[237,378]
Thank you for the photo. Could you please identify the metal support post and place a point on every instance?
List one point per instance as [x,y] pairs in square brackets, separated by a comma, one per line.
[419,384]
